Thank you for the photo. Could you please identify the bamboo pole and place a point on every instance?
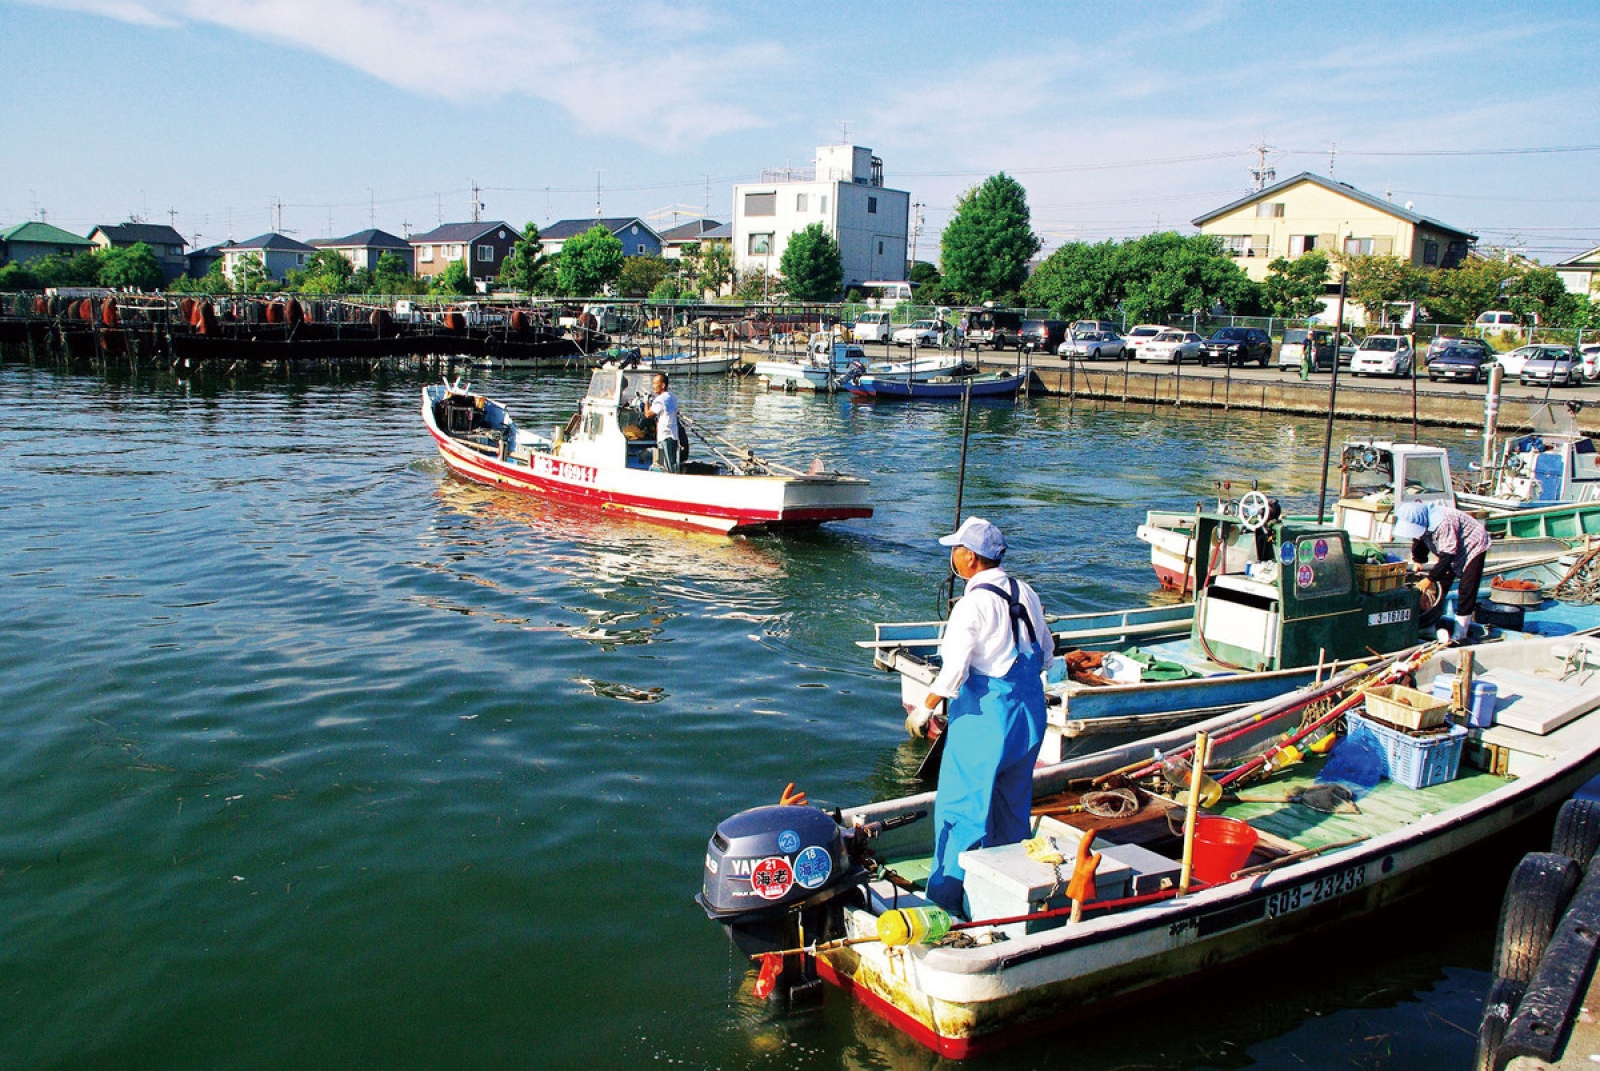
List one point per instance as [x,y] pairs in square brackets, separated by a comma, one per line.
[1192,812]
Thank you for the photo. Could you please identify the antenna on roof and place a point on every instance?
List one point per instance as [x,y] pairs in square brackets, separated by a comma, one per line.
[172,218]
[597,212]
[1333,150]
[844,131]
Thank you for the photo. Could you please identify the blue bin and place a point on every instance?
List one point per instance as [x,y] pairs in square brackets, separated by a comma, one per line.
[1485,701]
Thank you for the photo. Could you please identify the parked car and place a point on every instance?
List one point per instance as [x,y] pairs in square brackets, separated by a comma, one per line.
[1138,335]
[872,326]
[1444,342]
[1105,326]
[924,333]
[1590,356]
[1514,360]
[994,327]
[1552,364]
[1043,335]
[1092,344]
[1496,320]
[1382,355]
[1172,347]
[1470,363]
[1238,345]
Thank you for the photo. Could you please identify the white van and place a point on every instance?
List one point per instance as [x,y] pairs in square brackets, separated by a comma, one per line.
[1496,320]
[872,327]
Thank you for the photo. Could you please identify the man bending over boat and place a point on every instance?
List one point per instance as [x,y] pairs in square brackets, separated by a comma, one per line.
[664,407]
[1460,542]
[993,652]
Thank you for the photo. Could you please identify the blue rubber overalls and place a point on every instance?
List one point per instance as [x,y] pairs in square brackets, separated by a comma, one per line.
[996,725]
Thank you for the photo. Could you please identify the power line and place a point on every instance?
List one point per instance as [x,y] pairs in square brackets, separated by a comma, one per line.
[1534,151]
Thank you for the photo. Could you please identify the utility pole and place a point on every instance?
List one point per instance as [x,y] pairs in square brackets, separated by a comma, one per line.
[1333,150]
[372,209]
[477,205]
[916,229]
[597,213]
[1264,176]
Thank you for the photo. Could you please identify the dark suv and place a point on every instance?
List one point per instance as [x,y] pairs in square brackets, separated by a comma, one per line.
[1238,345]
[1043,335]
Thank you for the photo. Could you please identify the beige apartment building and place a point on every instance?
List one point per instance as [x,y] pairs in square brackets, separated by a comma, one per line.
[1306,212]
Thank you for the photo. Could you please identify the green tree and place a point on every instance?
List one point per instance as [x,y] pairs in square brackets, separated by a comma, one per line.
[987,245]
[19,277]
[1166,273]
[669,289]
[1374,281]
[526,268]
[1295,288]
[454,279]
[640,275]
[1538,295]
[1458,295]
[716,267]
[250,274]
[811,265]
[391,277]
[589,262]
[134,267]
[754,284]
[327,271]
[1077,280]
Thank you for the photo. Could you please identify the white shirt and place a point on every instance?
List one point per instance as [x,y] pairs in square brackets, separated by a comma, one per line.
[665,409]
[978,639]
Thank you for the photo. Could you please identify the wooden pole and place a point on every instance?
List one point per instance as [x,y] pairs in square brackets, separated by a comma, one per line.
[1192,812]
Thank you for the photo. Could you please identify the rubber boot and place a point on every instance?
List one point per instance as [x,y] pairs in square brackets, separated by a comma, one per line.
[1463,628]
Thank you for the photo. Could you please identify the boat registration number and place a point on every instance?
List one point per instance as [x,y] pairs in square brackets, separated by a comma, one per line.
[563,470]
[1314,892]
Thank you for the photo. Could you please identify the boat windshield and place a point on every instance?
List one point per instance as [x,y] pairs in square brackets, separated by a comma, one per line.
[1425,476]
[1585,462]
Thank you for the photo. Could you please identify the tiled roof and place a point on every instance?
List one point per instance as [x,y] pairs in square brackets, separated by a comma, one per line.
[571,228]
[366,239]
[148,233]
[460,232]
[43,234]
[691,231]
[1340,188]
[274,241]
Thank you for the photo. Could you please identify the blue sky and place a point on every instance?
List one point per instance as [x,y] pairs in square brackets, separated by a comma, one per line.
[1119,119]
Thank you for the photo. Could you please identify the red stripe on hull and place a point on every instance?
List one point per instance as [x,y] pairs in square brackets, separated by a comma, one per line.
[693,515]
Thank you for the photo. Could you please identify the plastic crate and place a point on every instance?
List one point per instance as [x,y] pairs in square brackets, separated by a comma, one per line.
[1405,708]
[1415,762]
[1375,579]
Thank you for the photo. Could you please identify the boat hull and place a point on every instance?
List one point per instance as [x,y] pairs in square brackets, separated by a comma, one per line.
[709,503]
[978,387]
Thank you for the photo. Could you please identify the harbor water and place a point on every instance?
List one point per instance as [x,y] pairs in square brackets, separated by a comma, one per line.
[313,756]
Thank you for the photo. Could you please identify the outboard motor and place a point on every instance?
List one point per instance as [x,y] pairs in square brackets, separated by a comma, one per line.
[779,876]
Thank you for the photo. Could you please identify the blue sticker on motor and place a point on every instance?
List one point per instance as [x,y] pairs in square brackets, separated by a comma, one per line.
[788,842]
[1286,554]
[812,867]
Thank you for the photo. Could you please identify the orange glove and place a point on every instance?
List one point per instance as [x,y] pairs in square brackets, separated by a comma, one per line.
[1081,887]
[791,798]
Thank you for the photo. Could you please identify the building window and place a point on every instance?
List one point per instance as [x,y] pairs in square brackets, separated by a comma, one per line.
[486,254]
[799,202]
[425,254]
[300,258]
[455,252]
[1430,252]
[880,249]
[639,249]
[1301,244]
[761,245]
[1454,253]
[872,206]
[761,204]
[1236,245]
[1357,247]
[824,204]
[1269,210]
[635,231]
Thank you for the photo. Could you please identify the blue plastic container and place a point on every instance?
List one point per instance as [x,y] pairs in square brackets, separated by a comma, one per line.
[1485,701]
[1415,762]
[1443,685]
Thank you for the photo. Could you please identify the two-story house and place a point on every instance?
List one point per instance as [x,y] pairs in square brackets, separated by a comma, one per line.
[364,248]
[482,246]
[1308,212]
[32,240]
[278,253]
[845,193]
[165,242]
[638,238]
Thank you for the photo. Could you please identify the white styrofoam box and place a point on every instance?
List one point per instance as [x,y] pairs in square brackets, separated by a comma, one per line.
[1002,882]
[1148,869]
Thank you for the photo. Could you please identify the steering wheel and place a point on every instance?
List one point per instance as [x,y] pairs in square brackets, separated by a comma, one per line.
[1253,509]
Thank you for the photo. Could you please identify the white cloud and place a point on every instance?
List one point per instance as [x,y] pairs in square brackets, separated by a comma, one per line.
[651,73]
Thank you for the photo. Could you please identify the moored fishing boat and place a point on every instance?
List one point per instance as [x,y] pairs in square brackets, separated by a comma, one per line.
[827,371]
[1282,604]
[841,900]
[603,458]
[937,388]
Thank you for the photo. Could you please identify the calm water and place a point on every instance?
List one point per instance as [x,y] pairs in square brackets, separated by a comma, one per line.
[312,756]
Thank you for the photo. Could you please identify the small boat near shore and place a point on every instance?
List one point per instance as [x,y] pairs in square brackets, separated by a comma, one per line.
[603,458]
[827,371]
[938,388]
[1289,843]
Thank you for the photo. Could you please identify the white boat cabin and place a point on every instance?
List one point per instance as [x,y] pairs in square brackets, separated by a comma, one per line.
[1375,476]
[609,430]
[1553,463]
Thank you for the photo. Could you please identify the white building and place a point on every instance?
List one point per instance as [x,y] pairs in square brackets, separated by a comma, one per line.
[845,193]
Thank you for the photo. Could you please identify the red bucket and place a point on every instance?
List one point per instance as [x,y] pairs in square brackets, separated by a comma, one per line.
[1221,846]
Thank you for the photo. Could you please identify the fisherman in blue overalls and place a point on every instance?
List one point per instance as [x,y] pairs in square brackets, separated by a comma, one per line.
[994,650]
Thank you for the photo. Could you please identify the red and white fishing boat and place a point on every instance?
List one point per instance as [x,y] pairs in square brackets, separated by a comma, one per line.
[603,458]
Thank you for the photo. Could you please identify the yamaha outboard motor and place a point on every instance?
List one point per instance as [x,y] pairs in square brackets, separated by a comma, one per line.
[780,876]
